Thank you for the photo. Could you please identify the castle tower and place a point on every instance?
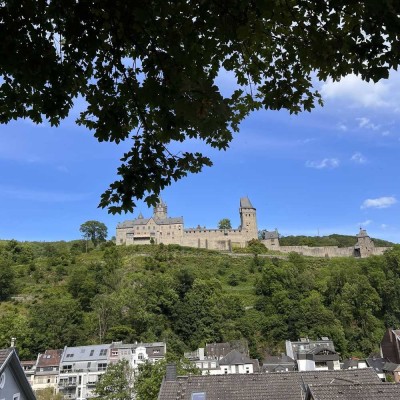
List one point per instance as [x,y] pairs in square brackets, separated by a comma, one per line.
[365,246]
[160,210]
[248,218]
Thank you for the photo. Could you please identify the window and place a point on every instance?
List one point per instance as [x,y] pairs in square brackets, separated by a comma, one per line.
[114,353]
[140,356]
[70,355]
[89,364]
[91,352]
[102,367]
[66,368]
[16,396]
[103,352]
[198,396]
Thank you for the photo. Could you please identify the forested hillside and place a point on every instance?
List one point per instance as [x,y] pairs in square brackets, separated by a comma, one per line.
[55,294]
[330,240]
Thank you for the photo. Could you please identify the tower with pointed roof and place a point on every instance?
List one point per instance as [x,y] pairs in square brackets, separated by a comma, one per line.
[248,218]
[160,210]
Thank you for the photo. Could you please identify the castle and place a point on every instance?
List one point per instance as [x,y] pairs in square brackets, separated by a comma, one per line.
[160,228]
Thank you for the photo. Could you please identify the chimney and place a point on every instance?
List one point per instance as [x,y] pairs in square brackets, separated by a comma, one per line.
[170,375]
[13,342]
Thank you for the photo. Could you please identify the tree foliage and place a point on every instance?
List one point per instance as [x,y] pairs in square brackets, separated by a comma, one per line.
[147,72]
[225,223]
[95,231]
[116,383]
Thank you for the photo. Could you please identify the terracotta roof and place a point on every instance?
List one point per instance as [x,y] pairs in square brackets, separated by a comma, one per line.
[382,391]
[49,358]
[272,386]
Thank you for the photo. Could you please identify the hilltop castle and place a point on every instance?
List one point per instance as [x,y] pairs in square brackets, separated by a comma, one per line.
[160,228]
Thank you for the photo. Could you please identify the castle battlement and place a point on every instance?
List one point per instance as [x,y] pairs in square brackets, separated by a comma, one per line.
[160,228]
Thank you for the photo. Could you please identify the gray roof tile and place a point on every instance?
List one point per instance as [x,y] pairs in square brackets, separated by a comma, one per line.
[272,386]
[245,203]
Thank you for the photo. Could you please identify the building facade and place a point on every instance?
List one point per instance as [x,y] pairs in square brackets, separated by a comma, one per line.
[160,228]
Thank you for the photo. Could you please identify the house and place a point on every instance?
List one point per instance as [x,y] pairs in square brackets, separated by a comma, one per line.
[29,368]
[390,345]
[137,353]
[14,384]
[377,363]
[354,363]
[313,355]
[80,369]
[282,363]
[224,358]
[272,386]
[46,370]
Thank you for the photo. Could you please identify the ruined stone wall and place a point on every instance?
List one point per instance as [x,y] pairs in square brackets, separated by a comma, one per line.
[323,251]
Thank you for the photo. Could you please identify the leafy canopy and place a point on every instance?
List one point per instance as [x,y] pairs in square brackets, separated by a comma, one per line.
[225,223]
[147,71]
[95,231]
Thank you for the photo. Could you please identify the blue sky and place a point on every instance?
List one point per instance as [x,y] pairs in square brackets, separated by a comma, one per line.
[329,171]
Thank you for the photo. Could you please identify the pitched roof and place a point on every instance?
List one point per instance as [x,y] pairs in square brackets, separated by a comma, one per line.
[272,386]
[143,221]
[245,203]
[377,364]
[50,358]
[235,358]
[85,353]
[9,359]
[378,391]
[4,354]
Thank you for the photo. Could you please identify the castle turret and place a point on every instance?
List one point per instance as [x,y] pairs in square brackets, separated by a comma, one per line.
[248,218]
[365,246]
[160,210]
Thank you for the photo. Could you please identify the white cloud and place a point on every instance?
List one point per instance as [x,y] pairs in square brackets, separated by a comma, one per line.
[367,124]
[353,89]
[365,223]
[384,226]
[325,163]
[380,202]
[342,127]
[358,158]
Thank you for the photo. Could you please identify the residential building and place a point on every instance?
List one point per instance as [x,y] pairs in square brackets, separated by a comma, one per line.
[46,370]
[224,358]
[272,386]
[282,363]
[313,355]
[137,353]
[80,369]
[14,384]
[390,345]
[29,368]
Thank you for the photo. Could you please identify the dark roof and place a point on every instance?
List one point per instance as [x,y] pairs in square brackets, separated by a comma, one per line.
[273,386]
[4,354]
[382,391]
[9,359]
[144,221]
[351,363]
[377,364]
[245,203]
[235,358]
[390,367]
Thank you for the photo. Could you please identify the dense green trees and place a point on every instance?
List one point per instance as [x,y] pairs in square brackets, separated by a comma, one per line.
[185,296]
[7,283]
[116,383]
